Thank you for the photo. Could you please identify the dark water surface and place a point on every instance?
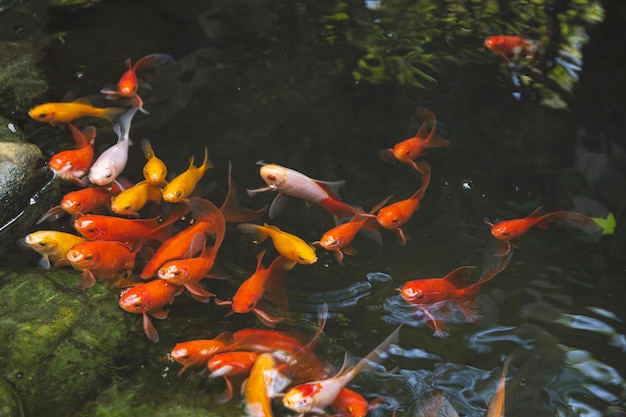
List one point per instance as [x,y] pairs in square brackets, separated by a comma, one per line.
[320,87]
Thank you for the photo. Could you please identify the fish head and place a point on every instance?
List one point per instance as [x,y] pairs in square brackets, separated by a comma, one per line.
[351,404]
[173,192]
[135,300]
[72,204]
[102,172]
[243,302]
[412,292]
[305,255]
[83,256]
[300,399]
[42,242]
[127,86]
[154,171]
[123,204]
[173,272]
[403,152]
[494,42]
[502,231]
[389,217]
[43,113]
[330,242]
[274,175]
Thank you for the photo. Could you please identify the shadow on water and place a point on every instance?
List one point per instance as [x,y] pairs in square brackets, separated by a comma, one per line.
[320,87]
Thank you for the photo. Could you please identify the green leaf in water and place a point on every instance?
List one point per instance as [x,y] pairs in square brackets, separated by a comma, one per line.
[607,225]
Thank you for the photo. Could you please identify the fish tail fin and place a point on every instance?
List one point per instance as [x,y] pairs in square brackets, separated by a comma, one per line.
[147,148]
[376,354]
[231,209]
[257,232]
[152,61]
[113,113]
[206,164]
[438,142]
[577,220]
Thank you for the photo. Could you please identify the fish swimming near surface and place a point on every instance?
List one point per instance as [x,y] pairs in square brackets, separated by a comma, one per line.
[133,199]
[290,246]
[129,82]
[61,112]
[410,149]
[496,405]
[74,164]
[150,298]
[512,47]
[52,245]
[112,161]
[315,396]
[230,365]
[155,170]
[181,187]
[508,231]
[265,382]
[290,183]
[108,260]
[196,353]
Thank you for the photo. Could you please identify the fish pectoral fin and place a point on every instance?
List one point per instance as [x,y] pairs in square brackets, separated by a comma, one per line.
[278,205]
[149,329]
[159,313]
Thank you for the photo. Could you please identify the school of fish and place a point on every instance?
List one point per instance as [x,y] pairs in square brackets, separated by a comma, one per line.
[157,239]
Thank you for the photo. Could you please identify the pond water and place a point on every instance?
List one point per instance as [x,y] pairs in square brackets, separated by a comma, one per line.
[320,87]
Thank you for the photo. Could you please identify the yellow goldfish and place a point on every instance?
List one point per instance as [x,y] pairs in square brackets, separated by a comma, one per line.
[51,245]
[131,200]
[154,171]
[288,245]
[54,113]
[265,381]
[496,405]
[183,185]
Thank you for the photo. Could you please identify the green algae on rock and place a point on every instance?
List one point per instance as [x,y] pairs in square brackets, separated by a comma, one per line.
[61,343]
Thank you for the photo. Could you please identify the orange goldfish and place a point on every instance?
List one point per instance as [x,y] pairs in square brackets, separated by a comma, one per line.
[228,365]
[510,47]
[83,201]
[51,245]
[252,289]
[181,187]
[154,171]
[508,231]
[102,259]
[128,83]
[100,227]
[349,403]
[196,353]
[133,199]
[313,397]
[74,164]
[295,184]
[394,216]
[149,298]
[410,149]
[288,245]
[55,113]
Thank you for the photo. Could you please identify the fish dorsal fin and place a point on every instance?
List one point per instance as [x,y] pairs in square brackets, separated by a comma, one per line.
[460,276]
[331,187]
[82,100]
[535,213]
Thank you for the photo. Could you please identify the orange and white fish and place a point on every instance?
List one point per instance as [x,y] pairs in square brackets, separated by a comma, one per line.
[196,353]
[61,112]
[149,298]
[291,183]
[74,164]
[181,187]
[112,161]
[290,246]
[52,245]
[395,215]
[315,396]
[155,170]
[129,82]
[410,149]
[508,231]
[230,365]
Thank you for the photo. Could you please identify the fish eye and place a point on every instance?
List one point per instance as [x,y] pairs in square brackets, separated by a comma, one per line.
[419,294]
[127,207]
[395,220]
[108,175]
[42,243]
[137,303]
[178,193]
[91,230]
[41,115]
[88,257]
[271,177]
[349,409]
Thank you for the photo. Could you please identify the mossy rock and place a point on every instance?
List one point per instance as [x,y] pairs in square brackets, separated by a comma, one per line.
[60,342]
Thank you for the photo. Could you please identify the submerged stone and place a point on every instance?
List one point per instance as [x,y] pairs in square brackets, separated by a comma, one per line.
[60,342]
